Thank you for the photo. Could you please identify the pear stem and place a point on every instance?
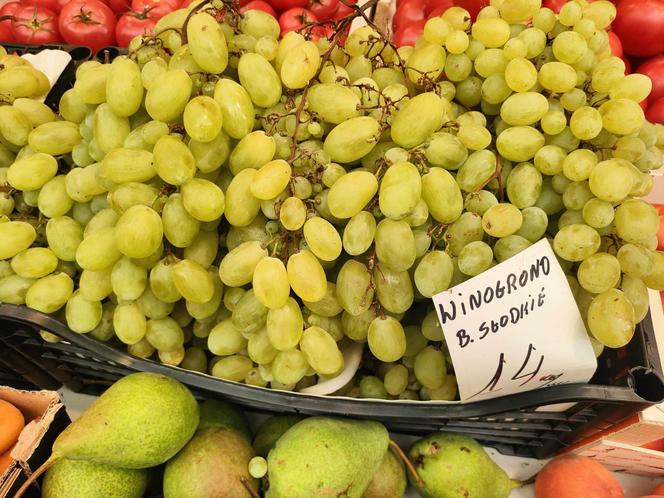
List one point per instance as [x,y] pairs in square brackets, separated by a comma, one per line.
[245,483]
[409,465]
[35,475]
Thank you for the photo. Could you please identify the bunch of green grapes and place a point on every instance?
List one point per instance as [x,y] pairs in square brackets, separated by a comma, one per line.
[248,206]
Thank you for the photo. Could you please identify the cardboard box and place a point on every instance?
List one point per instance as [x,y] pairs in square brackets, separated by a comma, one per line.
[45,417]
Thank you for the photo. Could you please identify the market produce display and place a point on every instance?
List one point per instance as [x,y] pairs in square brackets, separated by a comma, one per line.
[251,207]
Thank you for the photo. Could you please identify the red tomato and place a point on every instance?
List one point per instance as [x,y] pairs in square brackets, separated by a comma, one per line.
[7,9]
[342,11]
[659,490]
[472,6]
[554,5]
[654,68]
[49,4]
[407,13]
[258,5]
[88,22]
[284,5]
[36,25]
[61,4]
[615,44]
[628,65]
[408,35]
[133,24]
[640,26]
[119,6]
[323,9]
[158,8]
[437,12]
[295,18]
[655,112]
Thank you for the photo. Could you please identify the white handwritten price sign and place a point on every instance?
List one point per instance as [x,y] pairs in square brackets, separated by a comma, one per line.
[515,327]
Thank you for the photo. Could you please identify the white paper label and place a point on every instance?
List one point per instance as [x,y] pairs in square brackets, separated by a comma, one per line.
[515,327]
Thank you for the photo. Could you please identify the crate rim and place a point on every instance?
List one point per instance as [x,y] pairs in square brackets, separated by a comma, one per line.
[388,409]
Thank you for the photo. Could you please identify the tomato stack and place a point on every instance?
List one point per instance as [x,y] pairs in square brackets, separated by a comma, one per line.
[92,23]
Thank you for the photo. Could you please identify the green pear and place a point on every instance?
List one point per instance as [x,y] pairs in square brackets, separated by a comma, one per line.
[389,481]
[140,421]
[215,412]
[213,464]
[271,430]
[80,479]
[456,466]
[323,457]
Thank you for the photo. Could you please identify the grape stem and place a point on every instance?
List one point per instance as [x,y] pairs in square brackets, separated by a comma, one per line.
[250,490]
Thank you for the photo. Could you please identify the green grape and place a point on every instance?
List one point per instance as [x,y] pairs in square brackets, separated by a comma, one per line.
[569,47]
[82,315]
[442,195]
[474,137]
[458,67]
[234,368]
[300,65]
[267,47]
[655,279]
[252,151]
[636,221]
[430,369]
[524,108]
[602,13]
[433,273]
[110,131]
[271,179]
[292,213]
[475,257]
[545,19]
[53,200]
[573,100]
[241,206]
[598,213]
[635,87]
[127,165]
[202,199]
[576,242]
[396,380]
[372,387]
[607,73]
[131,326]
[394,289]
[549,159]
[359,233]
[611,180]
[32,172]
[131,194]
[124,87]
[161,281]
[400,190]
[202,118]
[351,193]
[524,185]
[209,156]
[586,123]
[557,77]
[98,250]
[284,325]
[323,239]
[457,42]
[207,43]
[599,273]
[629,148]
[637,293]
[225,339]
[90,85]
[611,318]
[576,195]
[37,112]
[495,89]
[236,107]
[621,116]
[428,61]
[519,143]
[50,293]
[71,107]
[417,119]
[152,307]
[520,74]
[578,164]
[395,244]
[164,334]
[570,14]
[63,235]
[436,30]
[128,280]
[321,351]
[306,276]
[270,282]
[289,367]
[260,349]
[446,392]
[491,61]
[446,151]
[467,228]
[352,139]
[479,202]
[151,70]
[237,267]
[333,103]
[192,281]
[492,33]
[553,122]
[34,262]
[13,289]
[502,220]
[508,246]
[173,160]
[386,338]
[477,170]
[469,91]
[139,231]
[635,261]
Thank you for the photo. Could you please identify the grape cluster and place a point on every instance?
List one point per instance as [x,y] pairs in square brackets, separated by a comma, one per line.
[248,206]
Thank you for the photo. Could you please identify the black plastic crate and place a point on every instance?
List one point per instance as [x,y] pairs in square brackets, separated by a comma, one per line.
[517,424]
